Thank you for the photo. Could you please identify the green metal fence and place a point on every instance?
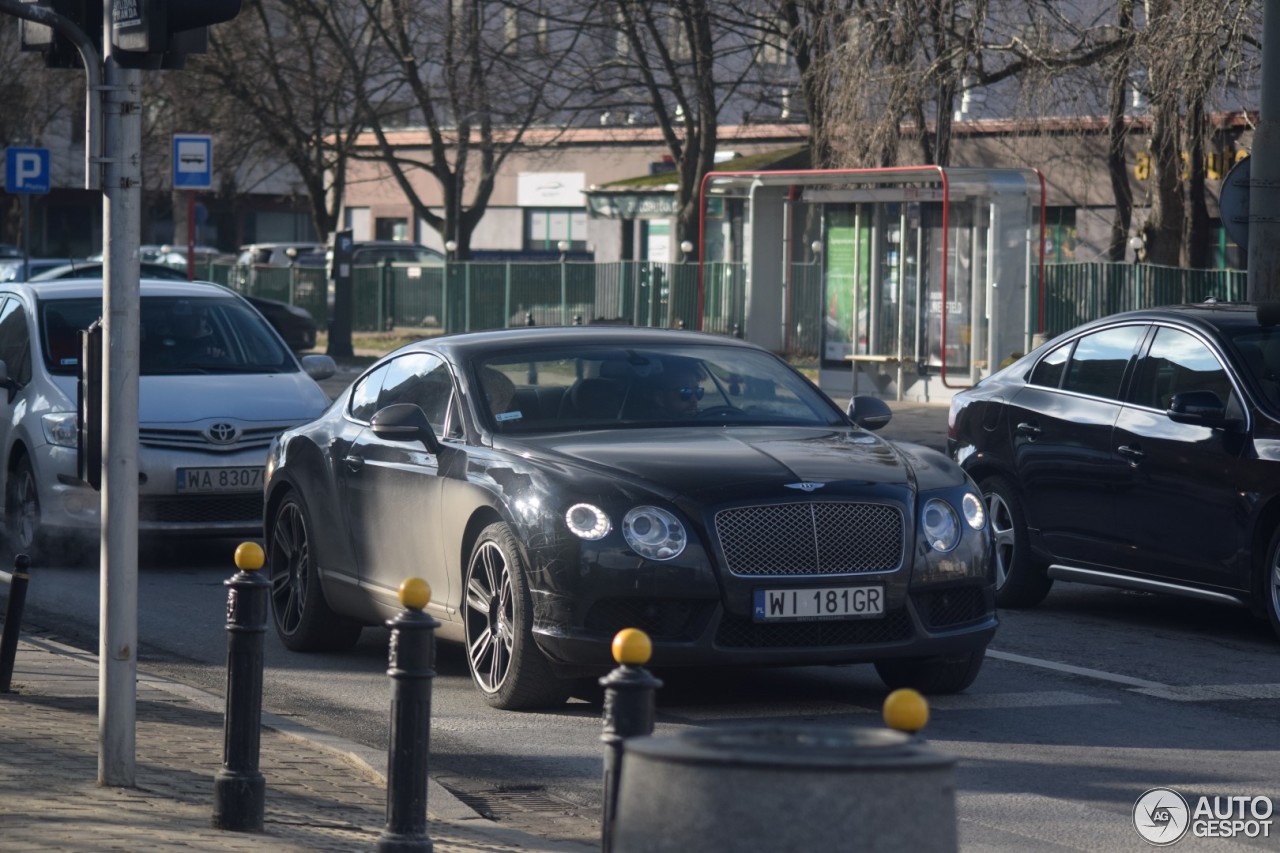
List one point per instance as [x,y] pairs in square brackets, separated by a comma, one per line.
[471,296]
[1074,293]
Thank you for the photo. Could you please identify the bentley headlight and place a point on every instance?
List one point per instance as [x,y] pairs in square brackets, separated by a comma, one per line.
[973,510]
[587,521]
[654,533]
[60,428]
[941,525]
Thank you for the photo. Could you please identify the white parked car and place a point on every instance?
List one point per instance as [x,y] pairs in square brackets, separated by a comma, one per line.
[216,384]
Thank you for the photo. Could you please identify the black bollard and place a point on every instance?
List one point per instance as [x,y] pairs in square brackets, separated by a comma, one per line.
[239,791]
[411,662]
[13,619]
[628,712]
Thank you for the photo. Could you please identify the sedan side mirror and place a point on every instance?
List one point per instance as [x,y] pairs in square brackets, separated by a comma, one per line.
[869,412]
[1200,408]
[319,366]
[405,422]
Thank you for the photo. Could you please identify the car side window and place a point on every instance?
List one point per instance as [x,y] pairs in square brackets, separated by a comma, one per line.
[15,341]
[1099,360]
[422,379]
[364,396]
[1178,362]
[1050,369]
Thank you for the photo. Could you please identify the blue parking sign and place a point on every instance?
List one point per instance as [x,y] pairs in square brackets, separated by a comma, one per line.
[26,170]
[192,161]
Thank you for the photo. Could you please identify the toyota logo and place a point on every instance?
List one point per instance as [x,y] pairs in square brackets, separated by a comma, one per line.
[221,433]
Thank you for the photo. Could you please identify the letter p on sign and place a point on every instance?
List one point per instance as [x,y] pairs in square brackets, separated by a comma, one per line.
[26,170]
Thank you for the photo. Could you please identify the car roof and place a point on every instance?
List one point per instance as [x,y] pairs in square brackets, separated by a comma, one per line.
[79,288]
[1209,316]
[465,345]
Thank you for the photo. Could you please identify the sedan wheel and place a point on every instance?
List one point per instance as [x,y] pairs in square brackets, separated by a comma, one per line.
[303,618]
[25,533]
[505,662]
[1271,583]
[1021,580]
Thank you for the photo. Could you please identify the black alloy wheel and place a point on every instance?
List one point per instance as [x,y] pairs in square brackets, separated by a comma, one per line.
[506,664]
[1271,583]
[302,617]
[1021,580]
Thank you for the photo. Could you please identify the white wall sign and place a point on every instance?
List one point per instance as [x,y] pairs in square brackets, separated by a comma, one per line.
[550,189]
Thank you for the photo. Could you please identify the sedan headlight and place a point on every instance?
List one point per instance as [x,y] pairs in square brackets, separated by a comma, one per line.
[654,533]
[941,525]
[60,428]
[973,511]
[587,521]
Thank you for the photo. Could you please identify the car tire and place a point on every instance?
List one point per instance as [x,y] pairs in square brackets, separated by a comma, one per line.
[24,530]
[1270,592]
[303,618]
[932,675]
[506,664]
[1021,580]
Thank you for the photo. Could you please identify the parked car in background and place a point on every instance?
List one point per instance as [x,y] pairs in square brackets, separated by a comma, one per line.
[15,269]
[370,252]
[216,385]
[555,485]
[294,324]
[1139,451]
[10,251]
[280,254]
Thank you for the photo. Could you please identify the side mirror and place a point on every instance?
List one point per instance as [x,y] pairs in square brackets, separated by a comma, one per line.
[319,366]
[405,422]
[1199,408]
[869,412]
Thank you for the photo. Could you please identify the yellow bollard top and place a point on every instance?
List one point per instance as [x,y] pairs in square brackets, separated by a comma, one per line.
[249,557]
[632,646]
[906,710]
[415,593]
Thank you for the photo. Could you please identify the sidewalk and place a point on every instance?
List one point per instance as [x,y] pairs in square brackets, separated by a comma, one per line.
[320,794]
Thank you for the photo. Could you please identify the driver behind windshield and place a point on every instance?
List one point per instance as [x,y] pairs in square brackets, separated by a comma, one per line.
[675,392]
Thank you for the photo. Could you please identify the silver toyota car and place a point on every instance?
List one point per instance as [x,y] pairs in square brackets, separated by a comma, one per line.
[216,384]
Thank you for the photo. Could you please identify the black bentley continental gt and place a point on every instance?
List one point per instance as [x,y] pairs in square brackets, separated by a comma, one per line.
[556,485]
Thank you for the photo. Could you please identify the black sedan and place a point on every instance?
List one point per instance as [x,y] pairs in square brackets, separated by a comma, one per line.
[294,324]
[556,485]
[1139,451]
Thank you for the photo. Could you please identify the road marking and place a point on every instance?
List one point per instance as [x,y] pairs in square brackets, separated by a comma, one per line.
[1078,670]
[1213,692]
[1171,692]
[995,701]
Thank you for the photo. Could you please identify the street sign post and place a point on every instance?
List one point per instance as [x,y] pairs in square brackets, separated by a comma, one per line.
[26,171]
[192,170]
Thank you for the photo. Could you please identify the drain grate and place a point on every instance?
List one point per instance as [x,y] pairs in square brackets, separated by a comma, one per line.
[507,801]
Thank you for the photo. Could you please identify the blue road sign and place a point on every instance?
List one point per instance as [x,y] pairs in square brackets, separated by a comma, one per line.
[192,161]
[26,170]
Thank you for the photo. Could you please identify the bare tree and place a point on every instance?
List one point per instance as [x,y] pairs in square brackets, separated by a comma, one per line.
[1189,49]
[474,85]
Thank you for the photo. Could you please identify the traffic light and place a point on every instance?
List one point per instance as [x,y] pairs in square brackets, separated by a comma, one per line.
[58,51]
[160,33]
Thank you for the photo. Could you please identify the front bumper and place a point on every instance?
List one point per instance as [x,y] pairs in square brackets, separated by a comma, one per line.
[933,621]
[71,506]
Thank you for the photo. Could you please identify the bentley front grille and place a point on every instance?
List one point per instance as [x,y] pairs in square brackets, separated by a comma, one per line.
[811,538]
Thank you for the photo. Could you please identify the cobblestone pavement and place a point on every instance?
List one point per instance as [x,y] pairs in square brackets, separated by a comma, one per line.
[318,797]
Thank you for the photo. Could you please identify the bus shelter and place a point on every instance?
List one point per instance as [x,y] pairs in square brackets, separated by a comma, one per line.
[925,278]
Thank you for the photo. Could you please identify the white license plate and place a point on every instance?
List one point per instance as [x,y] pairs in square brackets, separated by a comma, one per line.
[247,479]
[828,602]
